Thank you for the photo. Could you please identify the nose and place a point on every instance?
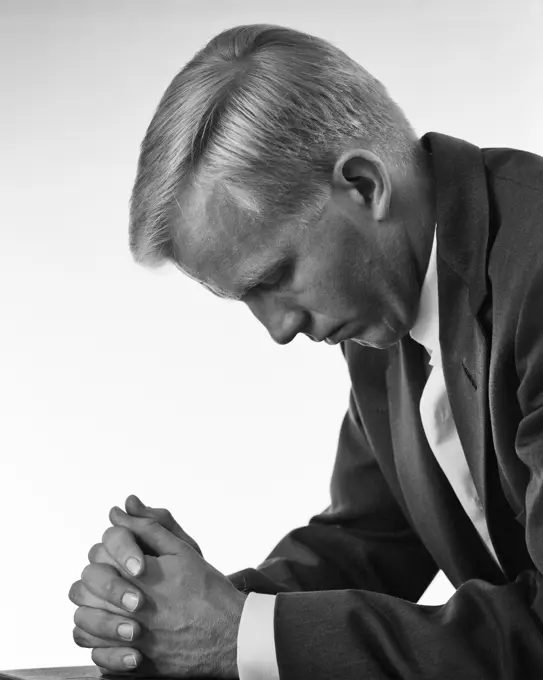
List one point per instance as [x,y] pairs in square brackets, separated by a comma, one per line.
[288,327]
[282,324]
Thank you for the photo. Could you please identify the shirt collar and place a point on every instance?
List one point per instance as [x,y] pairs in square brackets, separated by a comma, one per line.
[426,328]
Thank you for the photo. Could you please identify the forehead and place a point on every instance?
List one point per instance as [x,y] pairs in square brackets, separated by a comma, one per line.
[218,243]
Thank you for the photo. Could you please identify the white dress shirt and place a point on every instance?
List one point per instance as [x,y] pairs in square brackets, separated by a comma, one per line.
[257,659]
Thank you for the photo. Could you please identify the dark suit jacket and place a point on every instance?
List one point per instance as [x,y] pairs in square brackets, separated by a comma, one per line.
[349,581]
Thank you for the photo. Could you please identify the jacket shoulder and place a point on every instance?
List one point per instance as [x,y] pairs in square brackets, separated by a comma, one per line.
[521,167]
[515,197]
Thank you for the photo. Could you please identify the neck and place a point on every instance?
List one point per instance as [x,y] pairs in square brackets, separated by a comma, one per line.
[417,206]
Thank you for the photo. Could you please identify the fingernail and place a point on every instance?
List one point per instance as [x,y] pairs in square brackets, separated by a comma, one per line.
[126,631]
[130,601]
[130,660]
[133,565]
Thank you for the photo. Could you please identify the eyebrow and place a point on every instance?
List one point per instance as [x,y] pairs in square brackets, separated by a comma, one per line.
[212,289]
[253,278]
[247,282]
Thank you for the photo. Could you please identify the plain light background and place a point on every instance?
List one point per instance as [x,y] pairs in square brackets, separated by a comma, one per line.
[116,380]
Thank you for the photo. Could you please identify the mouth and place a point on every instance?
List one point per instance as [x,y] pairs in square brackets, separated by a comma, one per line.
[337,336]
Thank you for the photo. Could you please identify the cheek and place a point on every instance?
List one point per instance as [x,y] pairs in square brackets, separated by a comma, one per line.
[331,293]
[336,276]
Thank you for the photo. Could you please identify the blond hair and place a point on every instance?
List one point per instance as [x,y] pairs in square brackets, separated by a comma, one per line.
[265,111]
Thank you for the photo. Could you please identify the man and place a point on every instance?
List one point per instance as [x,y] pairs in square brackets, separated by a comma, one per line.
[278,172]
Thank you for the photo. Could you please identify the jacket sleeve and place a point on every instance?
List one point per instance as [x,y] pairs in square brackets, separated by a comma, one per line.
[362,540]
[484,631]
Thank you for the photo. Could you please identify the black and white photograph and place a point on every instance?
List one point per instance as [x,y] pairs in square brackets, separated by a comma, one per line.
[271,348]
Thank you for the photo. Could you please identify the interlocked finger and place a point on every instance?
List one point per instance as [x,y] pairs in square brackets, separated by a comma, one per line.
[84,639]
[106,583]
[99,555]
[116,659]
[81,596]
[98,624]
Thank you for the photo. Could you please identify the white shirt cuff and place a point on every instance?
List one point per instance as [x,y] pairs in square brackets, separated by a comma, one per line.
[257,659]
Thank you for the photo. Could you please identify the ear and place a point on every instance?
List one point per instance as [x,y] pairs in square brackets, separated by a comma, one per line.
[365,179]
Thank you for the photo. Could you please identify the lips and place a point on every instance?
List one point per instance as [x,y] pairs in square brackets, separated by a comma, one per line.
[335,337]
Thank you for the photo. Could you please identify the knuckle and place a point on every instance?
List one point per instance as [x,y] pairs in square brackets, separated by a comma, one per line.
[101,556]
[101,580]
[80,618]
[93,552]
[110,589]
[110,658]
[119,542]
[79,637]
[73,593]
[164,514]
[110,535]
[87,573]
[97,657]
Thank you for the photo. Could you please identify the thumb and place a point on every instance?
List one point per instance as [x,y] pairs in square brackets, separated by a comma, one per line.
[136,508]
[149,531]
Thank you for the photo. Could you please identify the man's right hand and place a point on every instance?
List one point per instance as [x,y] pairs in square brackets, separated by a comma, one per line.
[124,551]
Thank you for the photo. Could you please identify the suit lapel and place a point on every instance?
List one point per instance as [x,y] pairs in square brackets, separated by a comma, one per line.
[438,515]
[462,235]
[465,367]
[462,245]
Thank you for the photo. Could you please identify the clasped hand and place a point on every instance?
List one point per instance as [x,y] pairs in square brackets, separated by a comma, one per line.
[162,610]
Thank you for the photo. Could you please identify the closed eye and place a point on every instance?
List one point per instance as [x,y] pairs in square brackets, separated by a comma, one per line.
[275,280]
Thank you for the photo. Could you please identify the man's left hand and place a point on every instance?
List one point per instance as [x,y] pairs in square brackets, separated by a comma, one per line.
[185,623]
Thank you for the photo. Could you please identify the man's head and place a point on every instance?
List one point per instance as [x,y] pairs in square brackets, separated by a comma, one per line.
[278,172]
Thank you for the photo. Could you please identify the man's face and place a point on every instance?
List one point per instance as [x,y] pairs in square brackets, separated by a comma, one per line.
[345,277]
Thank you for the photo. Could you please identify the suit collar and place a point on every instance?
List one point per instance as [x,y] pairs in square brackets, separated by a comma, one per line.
[462,211]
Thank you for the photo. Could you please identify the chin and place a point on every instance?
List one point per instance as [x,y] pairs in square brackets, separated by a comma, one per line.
[375,344]
[382,337]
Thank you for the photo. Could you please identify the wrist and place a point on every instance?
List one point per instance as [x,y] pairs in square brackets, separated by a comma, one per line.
[229,660]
